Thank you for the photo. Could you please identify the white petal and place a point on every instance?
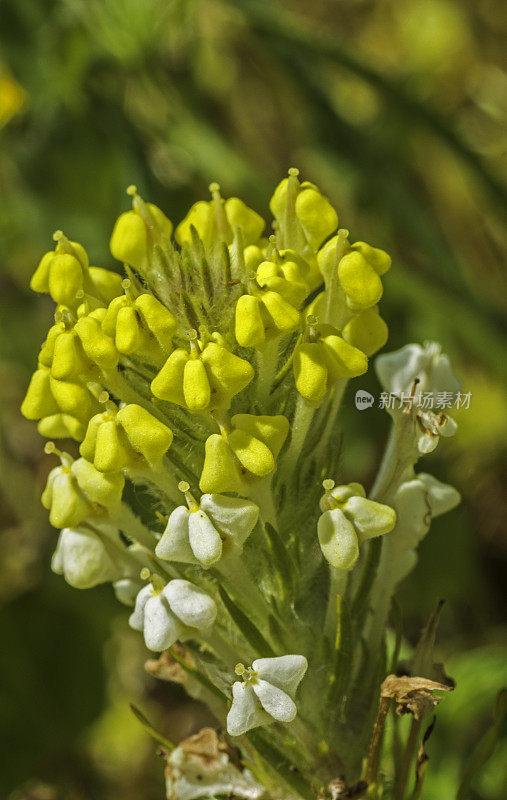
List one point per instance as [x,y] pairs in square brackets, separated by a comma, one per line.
[286,672]
[235,517]
[136,619]
[191,605]
[85,560]
[275,701]
[413,509]
[442,497]
[161,626]
[245,712]
[57,557]
[338,539]
[204,538]
[126,590]
[369,518]
[174,544]
[397,370]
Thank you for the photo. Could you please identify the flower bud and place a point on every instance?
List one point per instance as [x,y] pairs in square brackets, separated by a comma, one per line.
[303,214]
[216,221]
[179,611]
[137,231]
[266,694]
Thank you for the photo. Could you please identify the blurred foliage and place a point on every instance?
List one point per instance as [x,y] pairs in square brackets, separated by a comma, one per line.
[398,111]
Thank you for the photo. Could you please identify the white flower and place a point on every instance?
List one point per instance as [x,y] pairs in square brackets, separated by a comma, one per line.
[127,589]
[267,693]
[419,500]
[398,370]
[85,559]
[179,610]
[348,520]
[202,534]
[201,766]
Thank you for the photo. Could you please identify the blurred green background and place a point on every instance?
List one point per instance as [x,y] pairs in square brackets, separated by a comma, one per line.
[398,111]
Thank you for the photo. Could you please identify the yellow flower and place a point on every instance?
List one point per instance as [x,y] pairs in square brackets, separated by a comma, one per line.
[205,377]
[141,325]
[117,439]
[242,453]
[304,216]
[217,220]
[323,357]
[76,490]
[66,275]
[137,231]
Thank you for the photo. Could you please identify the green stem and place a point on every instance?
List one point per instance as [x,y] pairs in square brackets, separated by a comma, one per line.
[337,586]
[267,359]
[402,777]
[331,412]
[300,425]
[262,494]
[162,479]
[134,528]
[238,582]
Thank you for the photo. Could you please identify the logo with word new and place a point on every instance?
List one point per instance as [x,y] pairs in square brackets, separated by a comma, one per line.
[363,399]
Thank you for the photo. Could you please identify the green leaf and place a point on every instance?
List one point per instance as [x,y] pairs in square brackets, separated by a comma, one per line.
[150,729]
[484,748]
[199,676]
[360,603]
[282,561]
[342,657]
[253,636]
[282,766]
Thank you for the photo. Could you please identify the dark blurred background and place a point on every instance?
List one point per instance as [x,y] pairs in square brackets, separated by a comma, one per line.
[398,111]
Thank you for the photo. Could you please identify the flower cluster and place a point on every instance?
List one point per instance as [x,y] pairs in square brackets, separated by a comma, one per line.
[208,369]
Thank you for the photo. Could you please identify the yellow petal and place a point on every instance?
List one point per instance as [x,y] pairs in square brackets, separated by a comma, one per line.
[249,327]
[221,471]
[367,331]
[310,371]
[39,401]
[359,280]
[196,388]
[129,240]
[254,455]
[272,430]
[65,279]
[146,434]
[168,384]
